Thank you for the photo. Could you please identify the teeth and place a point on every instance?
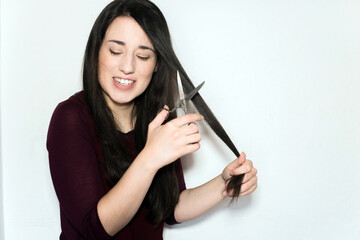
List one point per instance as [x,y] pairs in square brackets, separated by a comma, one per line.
[124,82]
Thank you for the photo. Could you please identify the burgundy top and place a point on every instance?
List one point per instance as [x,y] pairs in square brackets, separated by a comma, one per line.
[75,156]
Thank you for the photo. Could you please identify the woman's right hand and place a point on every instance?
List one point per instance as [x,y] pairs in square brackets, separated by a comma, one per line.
[168,142]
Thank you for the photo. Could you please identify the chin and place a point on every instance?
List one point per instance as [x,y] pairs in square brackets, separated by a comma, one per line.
[123,101]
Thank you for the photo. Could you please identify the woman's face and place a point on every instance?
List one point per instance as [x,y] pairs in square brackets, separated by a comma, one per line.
[127,61]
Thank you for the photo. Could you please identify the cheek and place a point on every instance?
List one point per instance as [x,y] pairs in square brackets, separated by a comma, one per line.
[148,70]
[105,69]
[102,74]
[106,63]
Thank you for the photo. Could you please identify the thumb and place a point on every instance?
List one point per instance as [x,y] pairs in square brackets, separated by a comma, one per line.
[160,117]
[241,159]
[237,162]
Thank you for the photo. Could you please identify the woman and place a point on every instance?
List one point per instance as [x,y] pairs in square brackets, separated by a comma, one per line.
[113,157]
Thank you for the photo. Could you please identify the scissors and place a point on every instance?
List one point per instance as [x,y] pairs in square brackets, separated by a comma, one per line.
[183,99]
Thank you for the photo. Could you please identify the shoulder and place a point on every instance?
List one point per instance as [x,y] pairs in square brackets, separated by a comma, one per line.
[72,110]
[70,116]
[75,104]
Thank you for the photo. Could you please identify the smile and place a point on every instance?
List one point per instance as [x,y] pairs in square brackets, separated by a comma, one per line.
[124,82]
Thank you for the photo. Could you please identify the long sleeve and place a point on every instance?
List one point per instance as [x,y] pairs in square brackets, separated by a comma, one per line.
[182,186]
[75,171]
[76,160]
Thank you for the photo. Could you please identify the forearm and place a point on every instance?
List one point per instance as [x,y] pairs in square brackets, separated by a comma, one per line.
[121,203]
[196,201]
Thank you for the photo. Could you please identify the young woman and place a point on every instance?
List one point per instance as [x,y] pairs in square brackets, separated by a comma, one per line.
[114,159]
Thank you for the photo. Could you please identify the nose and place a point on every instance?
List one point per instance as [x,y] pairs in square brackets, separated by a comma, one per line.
[127,64]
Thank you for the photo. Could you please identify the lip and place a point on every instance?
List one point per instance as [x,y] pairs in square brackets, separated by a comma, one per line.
[122,87]
[124,78]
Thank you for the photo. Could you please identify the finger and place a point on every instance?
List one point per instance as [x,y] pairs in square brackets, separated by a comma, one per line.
[160,118]
[237,162]
[246,186]
[249,175]
[191,129]
[194,138]
[245,189]
[252,189]
[186,119]
[234,164]
[189,148]
[242,169]
[227,172]
[242,158]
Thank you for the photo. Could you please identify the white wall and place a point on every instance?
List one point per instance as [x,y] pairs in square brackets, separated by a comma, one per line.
[281,76]
[1,176]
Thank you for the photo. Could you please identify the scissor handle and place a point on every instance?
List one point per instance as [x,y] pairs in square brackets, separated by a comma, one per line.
[172,110]
[167,110]
[178,106]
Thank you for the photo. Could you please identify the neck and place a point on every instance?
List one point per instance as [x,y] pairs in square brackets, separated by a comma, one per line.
[122,115]
[123,118]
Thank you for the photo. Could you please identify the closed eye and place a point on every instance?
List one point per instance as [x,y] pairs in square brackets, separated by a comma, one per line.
[114,53]
[143,58]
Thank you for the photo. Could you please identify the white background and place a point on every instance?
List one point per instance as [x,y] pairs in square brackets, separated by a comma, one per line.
[281,76]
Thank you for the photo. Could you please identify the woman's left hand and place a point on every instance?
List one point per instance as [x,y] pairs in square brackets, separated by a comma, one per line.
[239,166]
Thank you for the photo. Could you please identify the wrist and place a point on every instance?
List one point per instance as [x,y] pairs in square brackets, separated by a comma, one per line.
[144,160]
[223,185]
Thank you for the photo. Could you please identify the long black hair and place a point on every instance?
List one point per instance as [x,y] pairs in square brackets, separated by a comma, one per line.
[163,194]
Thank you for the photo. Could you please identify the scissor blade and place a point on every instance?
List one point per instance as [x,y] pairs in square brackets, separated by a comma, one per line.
[180,87]
[193,92]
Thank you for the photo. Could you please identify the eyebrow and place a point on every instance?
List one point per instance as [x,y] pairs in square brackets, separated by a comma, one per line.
[140,46]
